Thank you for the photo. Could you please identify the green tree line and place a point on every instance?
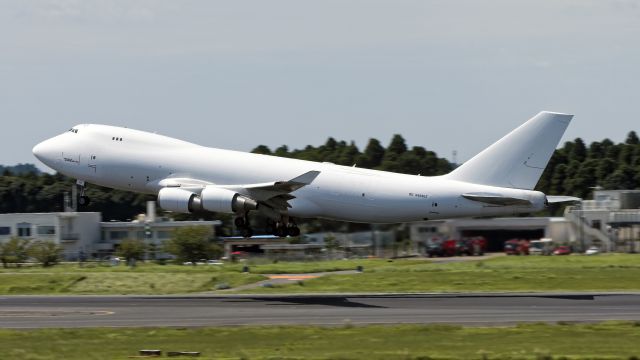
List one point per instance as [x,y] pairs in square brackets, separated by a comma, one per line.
[31,192]
[576,169]
[396,157]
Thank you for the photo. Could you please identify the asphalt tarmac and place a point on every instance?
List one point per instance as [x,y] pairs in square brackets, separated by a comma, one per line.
[194,311]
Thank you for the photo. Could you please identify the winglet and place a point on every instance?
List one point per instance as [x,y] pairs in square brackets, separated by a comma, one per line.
[306,178]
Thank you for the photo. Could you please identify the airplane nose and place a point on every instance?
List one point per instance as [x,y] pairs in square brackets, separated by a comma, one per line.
[37,150]
[44,151]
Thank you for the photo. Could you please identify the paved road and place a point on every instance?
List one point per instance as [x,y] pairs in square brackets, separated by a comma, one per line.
[91,311]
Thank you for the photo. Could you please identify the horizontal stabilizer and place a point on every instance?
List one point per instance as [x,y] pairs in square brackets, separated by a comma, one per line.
[496,199]
[552,199]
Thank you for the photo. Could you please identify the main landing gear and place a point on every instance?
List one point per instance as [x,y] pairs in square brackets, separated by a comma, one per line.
[242,223]
[279,229]
[83,200]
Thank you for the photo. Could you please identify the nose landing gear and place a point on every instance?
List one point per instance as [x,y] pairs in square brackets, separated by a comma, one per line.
[83,200]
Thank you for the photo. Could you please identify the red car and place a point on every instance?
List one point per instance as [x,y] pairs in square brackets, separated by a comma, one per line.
[516,247]
[562,250]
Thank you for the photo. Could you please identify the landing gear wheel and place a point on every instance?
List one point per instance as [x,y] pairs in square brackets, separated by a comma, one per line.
[240,222]
[281,231]
[82,200]
[270,229]
[247,232]
[293,231]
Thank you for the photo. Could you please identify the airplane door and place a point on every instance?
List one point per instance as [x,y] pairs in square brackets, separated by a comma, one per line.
[92,165]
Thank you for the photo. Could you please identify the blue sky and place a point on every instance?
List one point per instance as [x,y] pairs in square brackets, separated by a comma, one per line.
[447,75]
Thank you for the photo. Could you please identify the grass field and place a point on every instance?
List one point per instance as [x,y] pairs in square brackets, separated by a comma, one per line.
[606,272]
[284,267]
[613,340]
[144,279]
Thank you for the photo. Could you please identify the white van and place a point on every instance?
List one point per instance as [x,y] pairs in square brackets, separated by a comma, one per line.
[543,246]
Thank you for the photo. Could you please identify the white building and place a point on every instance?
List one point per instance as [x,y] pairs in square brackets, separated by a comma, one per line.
[611,220]
[83,234]
[152,233]
[76,232]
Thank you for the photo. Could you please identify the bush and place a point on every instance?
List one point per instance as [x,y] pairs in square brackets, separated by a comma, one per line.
[46,253]
[14,251]
[131,249]
[193,243]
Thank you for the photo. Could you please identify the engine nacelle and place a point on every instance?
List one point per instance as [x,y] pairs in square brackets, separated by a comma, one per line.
[212,198]
[179,200]
[223,200]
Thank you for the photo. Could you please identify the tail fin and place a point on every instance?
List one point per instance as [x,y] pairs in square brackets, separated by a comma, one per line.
[518,159]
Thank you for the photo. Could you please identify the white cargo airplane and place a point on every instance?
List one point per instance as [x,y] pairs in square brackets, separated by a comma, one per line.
[189,178]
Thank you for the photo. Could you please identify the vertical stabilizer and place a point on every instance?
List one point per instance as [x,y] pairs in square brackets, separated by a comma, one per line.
[518,159]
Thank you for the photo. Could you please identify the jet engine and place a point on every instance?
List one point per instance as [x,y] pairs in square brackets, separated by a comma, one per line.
[179,200]
[212,198]
[223,200]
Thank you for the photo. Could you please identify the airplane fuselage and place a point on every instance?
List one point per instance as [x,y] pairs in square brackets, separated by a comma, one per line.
[144,162]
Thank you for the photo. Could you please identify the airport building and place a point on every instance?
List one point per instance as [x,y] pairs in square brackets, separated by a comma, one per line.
[85,235]
[611,219]
[611,222]
[76,232]
[496,230]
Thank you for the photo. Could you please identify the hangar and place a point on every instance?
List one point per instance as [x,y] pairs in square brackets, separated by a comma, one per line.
[495,230]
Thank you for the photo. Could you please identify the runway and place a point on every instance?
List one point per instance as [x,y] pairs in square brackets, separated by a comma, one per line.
[193,311]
